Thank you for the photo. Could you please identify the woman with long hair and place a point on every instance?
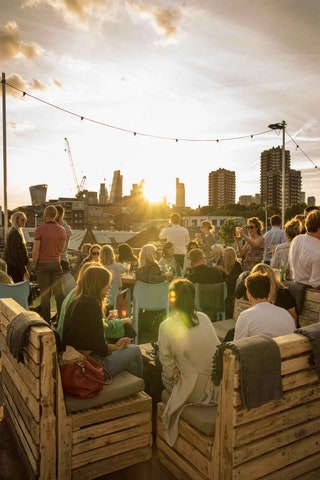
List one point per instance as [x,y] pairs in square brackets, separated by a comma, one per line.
[93,254]
[149,270]
[83,325]
[108,260]
[232,268]
[252,249]
[167,261]
[15,252]
[126,255]
[187,342]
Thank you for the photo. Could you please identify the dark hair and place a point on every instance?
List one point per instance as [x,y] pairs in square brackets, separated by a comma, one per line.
[175,218]
[257,223]
[313,221]
[181,297]
[258,284]
[125,252]
[165,249]
[275,220]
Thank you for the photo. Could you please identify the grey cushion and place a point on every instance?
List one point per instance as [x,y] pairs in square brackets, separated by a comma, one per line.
[123,385]
[200,417]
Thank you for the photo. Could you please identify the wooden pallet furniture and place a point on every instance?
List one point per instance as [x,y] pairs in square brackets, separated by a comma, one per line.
[57,437]
[310,310]
[279,440]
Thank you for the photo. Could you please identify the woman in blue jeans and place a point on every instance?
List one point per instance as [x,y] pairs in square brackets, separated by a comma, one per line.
[83,326]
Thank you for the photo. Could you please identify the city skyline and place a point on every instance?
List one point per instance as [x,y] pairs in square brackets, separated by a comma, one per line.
[211,73]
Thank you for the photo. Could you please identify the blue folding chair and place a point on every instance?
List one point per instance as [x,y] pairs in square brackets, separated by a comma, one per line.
[18,291]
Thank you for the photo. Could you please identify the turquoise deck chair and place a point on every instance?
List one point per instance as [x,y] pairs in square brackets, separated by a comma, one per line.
[18,291]
[149,296]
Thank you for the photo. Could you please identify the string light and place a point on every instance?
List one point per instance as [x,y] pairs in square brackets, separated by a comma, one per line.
[301,150]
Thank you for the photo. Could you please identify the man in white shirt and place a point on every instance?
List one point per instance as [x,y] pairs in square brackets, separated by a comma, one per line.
[177,235]
[304,253]
[263,318]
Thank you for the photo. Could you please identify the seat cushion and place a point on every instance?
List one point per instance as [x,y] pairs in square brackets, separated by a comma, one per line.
[123,385]
[202,418]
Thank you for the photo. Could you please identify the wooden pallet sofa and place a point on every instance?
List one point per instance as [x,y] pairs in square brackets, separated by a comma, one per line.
[279,440]
[63,438]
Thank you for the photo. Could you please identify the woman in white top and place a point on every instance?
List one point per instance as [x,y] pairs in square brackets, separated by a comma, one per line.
[187,343]
[107,259]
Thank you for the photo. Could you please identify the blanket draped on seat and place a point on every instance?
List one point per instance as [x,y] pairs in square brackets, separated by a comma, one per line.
[260,369]
[18,332]
[313,333]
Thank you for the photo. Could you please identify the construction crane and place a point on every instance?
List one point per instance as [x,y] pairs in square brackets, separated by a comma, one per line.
[79,186]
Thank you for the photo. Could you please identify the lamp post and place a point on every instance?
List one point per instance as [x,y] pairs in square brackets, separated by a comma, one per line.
[282,126]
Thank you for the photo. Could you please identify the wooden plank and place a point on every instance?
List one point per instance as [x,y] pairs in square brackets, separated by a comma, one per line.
[181,468]
[117,424]
[20,373]
[112,464]
[224,434]
[31,403]
[278,422]
[273,461]
[305,469]
[144,441]
[202,442]
[140,402]
[17,403]
[111,438]
[48,441]
[275,441]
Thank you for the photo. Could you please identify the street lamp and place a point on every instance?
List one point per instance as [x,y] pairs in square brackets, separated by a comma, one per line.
[281,126]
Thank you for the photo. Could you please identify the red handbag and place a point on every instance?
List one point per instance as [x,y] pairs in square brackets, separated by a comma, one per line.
[84,378]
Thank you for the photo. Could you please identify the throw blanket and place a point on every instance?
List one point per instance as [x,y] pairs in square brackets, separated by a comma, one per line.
[18,333]
[260,369]
[313,333]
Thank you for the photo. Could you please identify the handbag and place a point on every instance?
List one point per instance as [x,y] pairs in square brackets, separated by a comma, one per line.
[82,377]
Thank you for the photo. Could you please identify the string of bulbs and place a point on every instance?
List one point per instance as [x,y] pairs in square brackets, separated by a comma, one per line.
[142,134]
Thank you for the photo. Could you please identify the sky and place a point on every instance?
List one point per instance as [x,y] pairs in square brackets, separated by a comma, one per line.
[203,72]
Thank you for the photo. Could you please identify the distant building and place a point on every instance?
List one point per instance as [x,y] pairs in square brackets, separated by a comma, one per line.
[311,201]
[222,188]
[103,194]
[180,194]
[116,187]
[38,194]
[271,179]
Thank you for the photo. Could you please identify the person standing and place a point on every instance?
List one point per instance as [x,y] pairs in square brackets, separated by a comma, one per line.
[207,239]
[15,252]
[64,259]
[252,250]
[49,242]
[178,236]
[272,238]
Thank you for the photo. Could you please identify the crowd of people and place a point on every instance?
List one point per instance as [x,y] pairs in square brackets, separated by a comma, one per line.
[187,338]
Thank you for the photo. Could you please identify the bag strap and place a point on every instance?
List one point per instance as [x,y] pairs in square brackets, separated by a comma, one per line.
[105,371]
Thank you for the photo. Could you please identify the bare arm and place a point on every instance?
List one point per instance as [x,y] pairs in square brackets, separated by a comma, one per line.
[35,252]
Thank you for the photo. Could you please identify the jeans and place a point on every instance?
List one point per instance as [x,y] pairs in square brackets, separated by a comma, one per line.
[49,278]
[128,359]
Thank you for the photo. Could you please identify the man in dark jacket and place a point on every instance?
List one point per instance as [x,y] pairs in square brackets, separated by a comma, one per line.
[200,272]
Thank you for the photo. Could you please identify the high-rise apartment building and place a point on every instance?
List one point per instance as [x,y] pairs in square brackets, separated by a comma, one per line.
[180,194]
[222,187]
[271,179]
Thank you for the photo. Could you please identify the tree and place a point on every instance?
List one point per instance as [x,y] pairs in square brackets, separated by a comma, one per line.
[227,231]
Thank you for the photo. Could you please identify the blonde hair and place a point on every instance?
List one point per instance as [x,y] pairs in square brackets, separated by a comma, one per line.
[216,251]
[107,256]
[147,254]
[92,281]
[14,222]
[274,284]
[230,259]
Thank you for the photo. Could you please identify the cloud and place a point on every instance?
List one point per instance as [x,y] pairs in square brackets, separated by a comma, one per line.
[165,20]
[24,86]
[21,127]
[11,45]
[79,14]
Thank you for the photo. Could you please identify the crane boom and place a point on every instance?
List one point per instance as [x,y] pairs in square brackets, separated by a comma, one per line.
[80,186]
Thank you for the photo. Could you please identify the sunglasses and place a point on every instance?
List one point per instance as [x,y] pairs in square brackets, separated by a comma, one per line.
[251,226]
[95,253]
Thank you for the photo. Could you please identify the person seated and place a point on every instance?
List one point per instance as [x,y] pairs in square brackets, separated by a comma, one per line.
[292,228]
[216,256]
[187,263]
[304,253]
[93,255]
[232,269]
[108,260]
[5,278]
[126,255]
[187,343]
[149,270]
[201,273]
[167,261]
[83,326]
[263,318]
